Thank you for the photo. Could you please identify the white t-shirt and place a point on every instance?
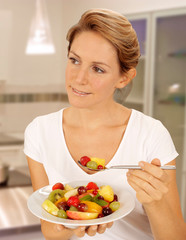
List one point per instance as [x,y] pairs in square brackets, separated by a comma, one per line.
[145,139]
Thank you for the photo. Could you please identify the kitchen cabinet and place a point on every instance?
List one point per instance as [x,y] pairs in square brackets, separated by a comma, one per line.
[11,150]
[159,90]
[138,96]
[12,155]
[169,88]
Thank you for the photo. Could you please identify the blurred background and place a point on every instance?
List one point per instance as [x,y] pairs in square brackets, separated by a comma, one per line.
[32,69]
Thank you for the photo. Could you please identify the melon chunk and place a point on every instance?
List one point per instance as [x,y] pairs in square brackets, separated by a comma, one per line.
[107,192]
[81,215]
[99,161]
[70,193]
[50,207]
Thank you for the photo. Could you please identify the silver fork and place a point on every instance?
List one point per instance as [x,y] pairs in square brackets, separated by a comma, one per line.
[165,167]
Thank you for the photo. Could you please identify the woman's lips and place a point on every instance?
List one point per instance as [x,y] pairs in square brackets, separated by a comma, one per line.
[79,93]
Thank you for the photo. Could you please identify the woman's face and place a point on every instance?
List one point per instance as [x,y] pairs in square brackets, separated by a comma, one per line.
[92,72]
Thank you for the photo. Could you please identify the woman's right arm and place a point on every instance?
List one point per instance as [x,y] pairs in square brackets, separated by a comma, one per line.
[50,231]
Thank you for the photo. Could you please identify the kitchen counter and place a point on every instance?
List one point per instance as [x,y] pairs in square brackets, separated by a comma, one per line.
[28,233]
[16,221]
[14,195]
[13,209]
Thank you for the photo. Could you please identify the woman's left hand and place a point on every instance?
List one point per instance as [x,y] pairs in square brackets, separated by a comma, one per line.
[150,183]
[92,230]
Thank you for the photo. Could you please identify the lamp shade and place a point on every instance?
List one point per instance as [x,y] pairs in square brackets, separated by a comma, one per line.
[40,38]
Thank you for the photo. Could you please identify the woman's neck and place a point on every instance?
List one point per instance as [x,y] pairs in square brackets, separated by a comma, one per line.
[95,118]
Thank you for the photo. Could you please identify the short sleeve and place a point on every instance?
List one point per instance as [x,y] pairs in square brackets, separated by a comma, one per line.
[161,145]
[31,141]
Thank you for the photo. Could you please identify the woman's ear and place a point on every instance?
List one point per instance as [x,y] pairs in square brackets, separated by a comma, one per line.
[126,78]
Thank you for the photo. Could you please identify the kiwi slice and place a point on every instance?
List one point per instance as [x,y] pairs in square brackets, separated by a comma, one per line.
[56,195]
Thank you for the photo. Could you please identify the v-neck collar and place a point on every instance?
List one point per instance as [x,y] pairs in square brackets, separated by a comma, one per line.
[114,158]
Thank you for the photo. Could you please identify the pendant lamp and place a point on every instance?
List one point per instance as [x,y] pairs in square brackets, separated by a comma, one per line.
[40,38]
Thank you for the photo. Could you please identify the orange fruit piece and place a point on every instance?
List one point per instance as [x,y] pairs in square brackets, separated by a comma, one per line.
[93,207]
[60,200]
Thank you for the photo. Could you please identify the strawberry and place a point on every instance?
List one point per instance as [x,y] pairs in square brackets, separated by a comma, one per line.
[84,160]
[58,186]
[73,201]
[91,185]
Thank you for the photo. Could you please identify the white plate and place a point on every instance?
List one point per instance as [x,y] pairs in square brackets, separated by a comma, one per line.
[35,201]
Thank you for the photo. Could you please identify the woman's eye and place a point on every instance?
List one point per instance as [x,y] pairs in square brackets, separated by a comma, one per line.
[98,70]
[73,60]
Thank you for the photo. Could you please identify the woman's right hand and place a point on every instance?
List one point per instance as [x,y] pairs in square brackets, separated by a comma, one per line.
[53,231]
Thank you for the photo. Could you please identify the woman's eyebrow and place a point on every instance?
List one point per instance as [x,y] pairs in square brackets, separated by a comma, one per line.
[74,54]
[102,63]
[95,62]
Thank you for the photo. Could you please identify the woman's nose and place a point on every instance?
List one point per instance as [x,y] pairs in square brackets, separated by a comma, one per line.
[82,76]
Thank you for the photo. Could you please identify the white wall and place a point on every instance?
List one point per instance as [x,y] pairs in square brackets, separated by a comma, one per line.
[38,73]
[42,70]
[72,9]
[25,69]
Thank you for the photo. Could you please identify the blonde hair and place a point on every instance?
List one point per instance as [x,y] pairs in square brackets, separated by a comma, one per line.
[116,29]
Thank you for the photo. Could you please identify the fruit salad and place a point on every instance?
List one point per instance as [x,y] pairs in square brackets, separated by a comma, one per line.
[82,202]
[93,162]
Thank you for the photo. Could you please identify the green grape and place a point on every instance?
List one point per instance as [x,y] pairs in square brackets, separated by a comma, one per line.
[61,214]
[72,208]
[92,165]
[114,206]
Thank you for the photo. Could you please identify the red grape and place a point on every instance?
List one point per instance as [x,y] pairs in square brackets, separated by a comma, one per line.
[100,167]
[95,192]
[82,207]
[101,197]
[82,190]
[106,211]
[115,198]
[63,206]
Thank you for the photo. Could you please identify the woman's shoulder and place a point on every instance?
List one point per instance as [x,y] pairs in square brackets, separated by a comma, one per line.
[145,121]
[44,121]
[48,117]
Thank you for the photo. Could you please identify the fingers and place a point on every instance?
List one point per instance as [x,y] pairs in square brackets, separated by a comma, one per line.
[155,191]
[109,225]
[59,227]
[103,227]
[92,230]
[156,162]
[80,231]
[150,183]
[153,170]
[147,181]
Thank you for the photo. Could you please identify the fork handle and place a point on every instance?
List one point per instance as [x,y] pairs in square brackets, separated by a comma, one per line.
[166,167]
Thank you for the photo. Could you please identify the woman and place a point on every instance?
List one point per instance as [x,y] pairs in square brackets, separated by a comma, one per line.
[102,56]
